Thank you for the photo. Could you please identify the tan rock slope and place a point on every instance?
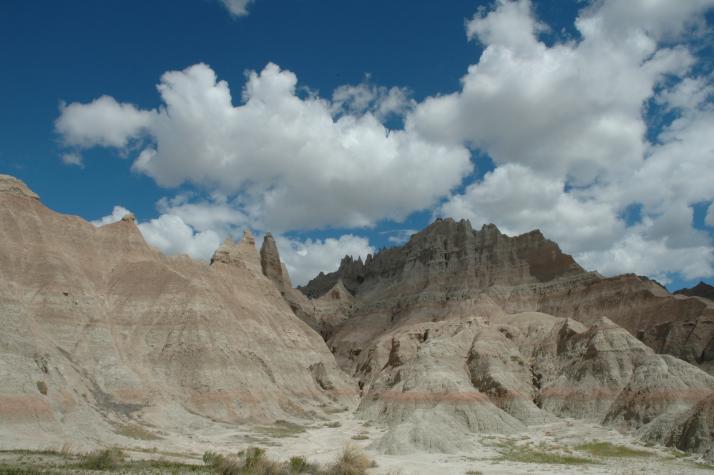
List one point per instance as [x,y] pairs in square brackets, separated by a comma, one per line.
[457,332]
[100,330]
[449,270]
[463,331]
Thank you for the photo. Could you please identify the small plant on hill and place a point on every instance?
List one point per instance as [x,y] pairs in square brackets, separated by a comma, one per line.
[107,459]
[352,461]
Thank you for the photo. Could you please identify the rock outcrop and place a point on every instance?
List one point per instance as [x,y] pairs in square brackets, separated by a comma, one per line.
[462,330]
[99,329]
[702,290]
[435,383]
[449,270]
[458,331]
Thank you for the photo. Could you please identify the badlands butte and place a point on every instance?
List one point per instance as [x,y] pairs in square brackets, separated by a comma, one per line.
[422,355]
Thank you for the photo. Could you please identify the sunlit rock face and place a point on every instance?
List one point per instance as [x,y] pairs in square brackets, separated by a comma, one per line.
[99,329]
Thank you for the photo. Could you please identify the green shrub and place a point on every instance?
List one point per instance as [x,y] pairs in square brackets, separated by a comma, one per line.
[352,461]
[107,459]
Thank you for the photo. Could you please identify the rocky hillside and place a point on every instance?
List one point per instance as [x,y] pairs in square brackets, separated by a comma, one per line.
[457,332]
[462,331]
[702,290]
[449,270]
[101,331]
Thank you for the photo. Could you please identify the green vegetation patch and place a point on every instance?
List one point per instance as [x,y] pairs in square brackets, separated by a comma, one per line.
[281,429]
[540,455]
[135,431]
[606,449]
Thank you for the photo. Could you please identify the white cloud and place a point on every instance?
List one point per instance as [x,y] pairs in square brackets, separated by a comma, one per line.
[237,7]
[216,214]
[572,109]
[399,236]
[564,125]
[519,200]
[652,257]
[117,214]
[170,234]
[102,122]
[657,19]
[72,159]
[379,100]
[287,162]
[306,259]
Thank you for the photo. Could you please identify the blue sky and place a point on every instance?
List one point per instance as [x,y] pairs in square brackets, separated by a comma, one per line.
[505,111]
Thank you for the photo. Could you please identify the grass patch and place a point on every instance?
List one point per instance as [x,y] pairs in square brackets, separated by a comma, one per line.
[360,437]
[352,461]
[135,431]
[679,454]
[253,461]
[107,459]
[333,425]
[281,429]
[703,466]
[163,466]
[606,449]
[527,454]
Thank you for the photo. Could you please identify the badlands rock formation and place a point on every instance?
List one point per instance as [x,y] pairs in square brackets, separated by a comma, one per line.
[100,330]
[702,290]
[461,331]
[449,270]
[455,333]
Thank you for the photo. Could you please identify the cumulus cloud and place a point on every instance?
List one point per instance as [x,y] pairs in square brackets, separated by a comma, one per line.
[306,259]
[286,162]
[236,7]
[365,97]
[116,215]
[566,127]
[170,234]
[568,124]
[72,159]
[709,218]
[572,109]
[520,200]
[652,257]
[399,236]
[102,122]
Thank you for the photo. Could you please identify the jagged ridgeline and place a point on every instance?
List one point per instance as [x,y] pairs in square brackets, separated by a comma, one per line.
[459,331]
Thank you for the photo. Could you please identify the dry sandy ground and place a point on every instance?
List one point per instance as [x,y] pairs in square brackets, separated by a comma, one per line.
[322,441]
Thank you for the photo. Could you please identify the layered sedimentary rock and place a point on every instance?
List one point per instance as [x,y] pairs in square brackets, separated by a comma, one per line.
[449,270]
[462,331]
[702,290]
[435,383]
[459,331]
[100,329]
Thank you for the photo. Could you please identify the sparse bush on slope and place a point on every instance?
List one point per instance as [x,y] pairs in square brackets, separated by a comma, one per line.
[253,461]
[107,459]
